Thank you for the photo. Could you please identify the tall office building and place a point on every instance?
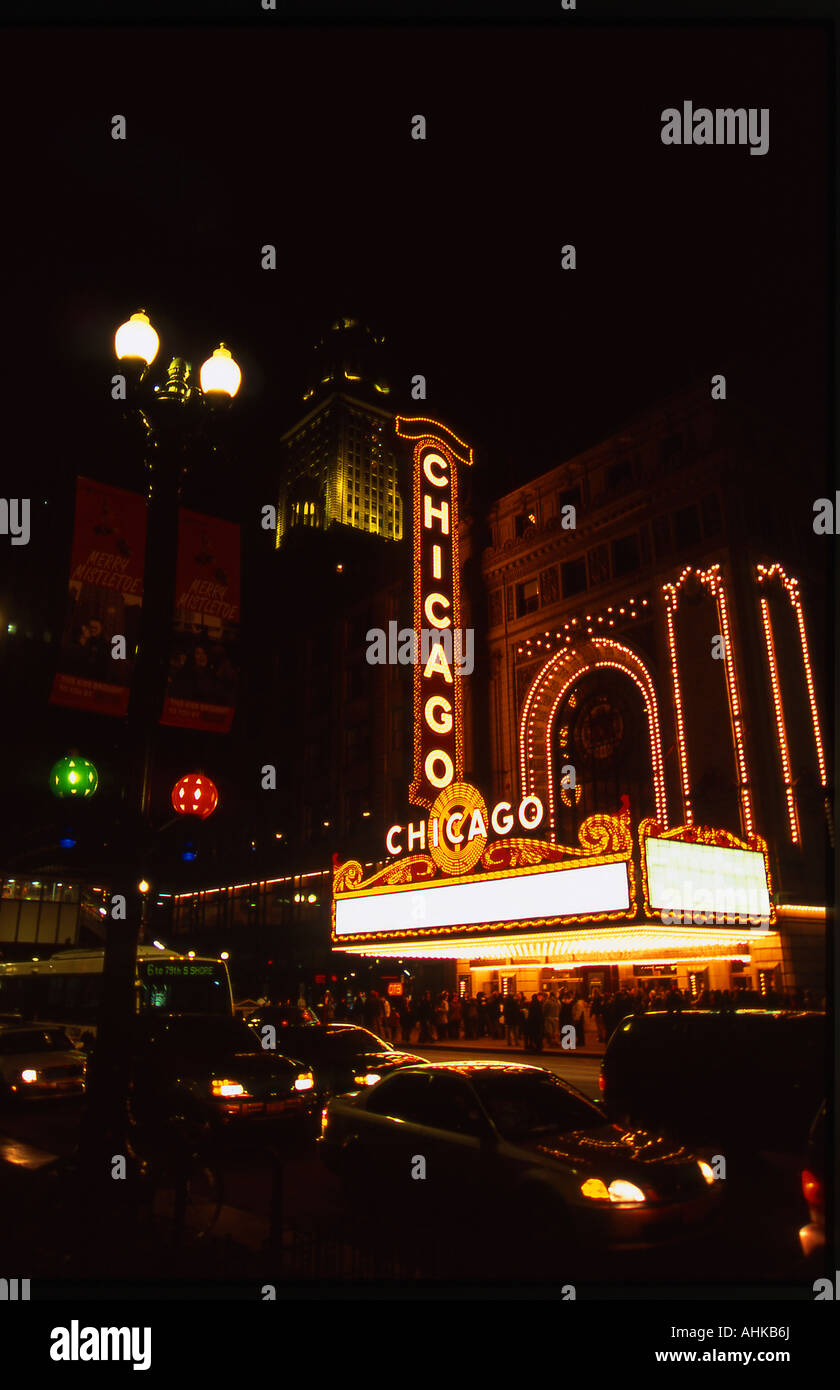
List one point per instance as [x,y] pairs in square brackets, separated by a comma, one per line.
[339,465]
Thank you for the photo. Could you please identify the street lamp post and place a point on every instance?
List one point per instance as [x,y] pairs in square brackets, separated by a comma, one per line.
[172,413]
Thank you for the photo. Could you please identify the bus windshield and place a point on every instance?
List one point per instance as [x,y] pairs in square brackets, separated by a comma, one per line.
[184,986]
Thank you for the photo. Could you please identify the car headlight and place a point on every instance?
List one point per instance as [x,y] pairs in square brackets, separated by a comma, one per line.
[368,1078]
[618,1191]
[229,1089]
[305,1081]
[29,1075]
[707,1171]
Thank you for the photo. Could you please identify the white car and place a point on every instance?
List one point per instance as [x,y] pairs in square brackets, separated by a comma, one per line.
[38,1062]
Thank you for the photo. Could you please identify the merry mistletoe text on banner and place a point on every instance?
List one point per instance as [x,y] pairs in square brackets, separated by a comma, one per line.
[104,601]
[203,664]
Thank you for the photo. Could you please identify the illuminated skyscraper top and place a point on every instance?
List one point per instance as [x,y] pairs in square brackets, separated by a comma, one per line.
[339,465]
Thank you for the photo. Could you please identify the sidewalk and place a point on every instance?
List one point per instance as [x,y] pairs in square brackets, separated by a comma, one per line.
[477,1046]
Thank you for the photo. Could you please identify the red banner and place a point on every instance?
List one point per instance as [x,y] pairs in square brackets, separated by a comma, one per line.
[105,599]
[203,665]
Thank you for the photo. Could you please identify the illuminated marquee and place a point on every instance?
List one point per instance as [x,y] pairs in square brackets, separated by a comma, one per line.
[694,874]
[466,876]
[522,882]
[438,712]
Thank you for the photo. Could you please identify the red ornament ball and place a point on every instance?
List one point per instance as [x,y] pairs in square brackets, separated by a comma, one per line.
[195,795]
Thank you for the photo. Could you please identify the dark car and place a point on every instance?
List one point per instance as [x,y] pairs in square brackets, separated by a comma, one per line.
[444,1140]
[216,1069]
[287,1015]
[39,1062]
[745,1078]
[342,1056]
[812,1236]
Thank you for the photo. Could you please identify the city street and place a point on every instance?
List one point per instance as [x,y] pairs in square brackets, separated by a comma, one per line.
[740,1243]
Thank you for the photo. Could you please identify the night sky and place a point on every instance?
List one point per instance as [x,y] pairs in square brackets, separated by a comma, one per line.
[688,258]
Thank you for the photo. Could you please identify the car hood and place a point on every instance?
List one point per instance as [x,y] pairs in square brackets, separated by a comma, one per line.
[376,1061]
[40,1061]
[238,1065]
[609,1152]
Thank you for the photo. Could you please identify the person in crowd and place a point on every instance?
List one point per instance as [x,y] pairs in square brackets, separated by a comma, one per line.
[535,1025]
[483,1015]
[578,1021]
[426,1018]
[455,1012]
[385,1023]
[552,1018]
[596,1011]
[373,1012]
[442,1015]
[512,1020]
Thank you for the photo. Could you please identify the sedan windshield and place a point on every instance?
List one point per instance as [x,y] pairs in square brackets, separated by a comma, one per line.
[203,1039]
[349,1042]
[530,1103]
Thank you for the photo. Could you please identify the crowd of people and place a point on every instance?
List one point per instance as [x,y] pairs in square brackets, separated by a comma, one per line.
[536,1022]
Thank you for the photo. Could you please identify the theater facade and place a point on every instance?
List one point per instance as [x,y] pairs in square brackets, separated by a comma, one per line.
[632,782]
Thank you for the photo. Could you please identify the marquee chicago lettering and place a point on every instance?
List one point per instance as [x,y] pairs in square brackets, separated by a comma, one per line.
[464,826]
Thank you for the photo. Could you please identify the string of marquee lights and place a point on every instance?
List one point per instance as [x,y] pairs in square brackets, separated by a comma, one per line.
[699,835]
[670,610]
[616,657]
[781,733]
[764,574]
[608,945]
[712,580]
[567,636]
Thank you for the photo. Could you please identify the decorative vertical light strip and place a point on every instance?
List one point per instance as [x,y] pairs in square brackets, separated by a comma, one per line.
[712,577]
[790,798]
[670,593]
[765,573]
[712,580]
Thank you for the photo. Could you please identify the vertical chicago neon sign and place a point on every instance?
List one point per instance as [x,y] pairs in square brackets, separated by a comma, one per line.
[438,710]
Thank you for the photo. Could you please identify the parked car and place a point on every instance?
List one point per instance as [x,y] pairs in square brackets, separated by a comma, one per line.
[342,1056]
[517,1141]
[812,1236]
[39,1062]
[216,1069]
[746,1078]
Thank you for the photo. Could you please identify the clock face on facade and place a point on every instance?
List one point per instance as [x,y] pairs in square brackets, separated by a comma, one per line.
[600,729]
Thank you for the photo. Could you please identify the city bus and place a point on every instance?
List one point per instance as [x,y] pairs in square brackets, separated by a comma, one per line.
[66,989]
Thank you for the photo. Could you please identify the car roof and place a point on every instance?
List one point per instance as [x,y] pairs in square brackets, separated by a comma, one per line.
[474,1068]
[12,1027]
[725,1013]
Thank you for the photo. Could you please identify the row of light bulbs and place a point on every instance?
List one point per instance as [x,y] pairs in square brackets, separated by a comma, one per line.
[566,635]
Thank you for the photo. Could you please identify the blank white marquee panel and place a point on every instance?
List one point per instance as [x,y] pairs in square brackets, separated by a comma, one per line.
[597,888]
[706,878]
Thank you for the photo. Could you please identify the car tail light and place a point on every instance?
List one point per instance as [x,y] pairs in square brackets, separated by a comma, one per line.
[602,1085]
[812,1189]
